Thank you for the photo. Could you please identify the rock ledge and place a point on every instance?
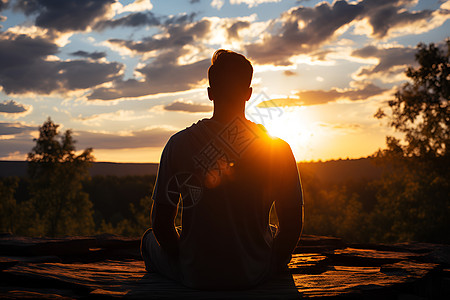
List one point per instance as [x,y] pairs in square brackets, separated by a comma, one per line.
[110,266]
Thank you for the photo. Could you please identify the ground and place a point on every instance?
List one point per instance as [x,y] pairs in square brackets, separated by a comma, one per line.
[110,266]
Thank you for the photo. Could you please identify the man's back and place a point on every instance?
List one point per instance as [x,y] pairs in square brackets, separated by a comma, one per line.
[229,172]
[229,175]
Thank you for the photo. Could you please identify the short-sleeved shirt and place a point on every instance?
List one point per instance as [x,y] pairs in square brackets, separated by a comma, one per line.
[228,175]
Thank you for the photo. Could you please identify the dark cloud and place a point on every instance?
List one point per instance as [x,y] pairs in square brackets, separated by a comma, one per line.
[384,15]
[194,1]
[156,137]
[313,97]
[3,4]
[21,144]
[388,59]
[24,68]
[183,18]
[289,73]
[316,97]
[7,128]
[320,23]
[304,29]
[23,141]
[188,107]
[179,35]
[66,15]
[92,55]
[12,107]
[161,76]
[233,30]
[131,20]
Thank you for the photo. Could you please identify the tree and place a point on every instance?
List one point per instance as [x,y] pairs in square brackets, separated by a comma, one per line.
[8,205]
[56,174]
[414,194]
[421,109]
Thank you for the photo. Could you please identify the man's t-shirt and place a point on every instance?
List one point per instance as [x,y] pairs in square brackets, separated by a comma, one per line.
[228,176]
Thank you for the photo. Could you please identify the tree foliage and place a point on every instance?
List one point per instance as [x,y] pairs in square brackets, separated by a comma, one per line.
[414,194]
[60,205]
[421,109]
[8,205]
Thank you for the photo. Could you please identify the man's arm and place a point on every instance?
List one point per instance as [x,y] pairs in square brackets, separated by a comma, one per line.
[289,231]
[289,208]
[163,224]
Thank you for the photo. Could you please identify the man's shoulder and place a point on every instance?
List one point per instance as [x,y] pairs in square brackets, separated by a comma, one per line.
[187,135]
[273,143]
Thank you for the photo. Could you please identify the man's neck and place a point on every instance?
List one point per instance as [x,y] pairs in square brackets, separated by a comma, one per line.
[225,116]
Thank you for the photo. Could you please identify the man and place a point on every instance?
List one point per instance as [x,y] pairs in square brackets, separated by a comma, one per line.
[229,172]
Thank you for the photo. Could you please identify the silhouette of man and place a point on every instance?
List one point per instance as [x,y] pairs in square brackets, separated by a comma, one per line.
[229,172]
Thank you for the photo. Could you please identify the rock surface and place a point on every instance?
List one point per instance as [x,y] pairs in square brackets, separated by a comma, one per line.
[108,266]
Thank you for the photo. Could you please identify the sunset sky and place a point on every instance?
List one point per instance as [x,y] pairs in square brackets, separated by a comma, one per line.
[126,75]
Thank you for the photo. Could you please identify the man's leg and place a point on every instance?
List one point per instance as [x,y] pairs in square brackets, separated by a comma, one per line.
[156,260]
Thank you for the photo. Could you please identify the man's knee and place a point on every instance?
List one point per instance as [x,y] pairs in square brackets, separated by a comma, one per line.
[145,248]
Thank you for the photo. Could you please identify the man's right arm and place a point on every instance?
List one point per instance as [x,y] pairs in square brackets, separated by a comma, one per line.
[289,208]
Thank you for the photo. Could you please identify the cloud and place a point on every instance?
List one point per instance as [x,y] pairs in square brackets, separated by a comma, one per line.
[67,15]
[194,1]
[175,36]
[3,4]
[252,3]
[217,4]
[92,55]
[344,127]
[131,20]
[316,97]
[289,73]
[137,5]
[389,60]
[25,67]
[302,30]
[7,128]
[13,108]
[17,137]
[163,75]
[17,146]
[386,15]
[154,137]
[233,30]
[188,107]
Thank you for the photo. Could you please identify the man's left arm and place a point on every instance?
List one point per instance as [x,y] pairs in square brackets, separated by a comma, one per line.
[164,209]
[163,224]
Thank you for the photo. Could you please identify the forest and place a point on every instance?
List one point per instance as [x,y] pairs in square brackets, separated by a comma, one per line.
[408,201]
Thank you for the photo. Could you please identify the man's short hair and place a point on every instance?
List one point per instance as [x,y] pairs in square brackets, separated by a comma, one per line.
[229,71]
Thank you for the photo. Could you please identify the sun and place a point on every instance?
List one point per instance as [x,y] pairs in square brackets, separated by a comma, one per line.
[290,128]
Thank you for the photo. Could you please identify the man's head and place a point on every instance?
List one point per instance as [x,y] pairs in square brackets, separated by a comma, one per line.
[230,76]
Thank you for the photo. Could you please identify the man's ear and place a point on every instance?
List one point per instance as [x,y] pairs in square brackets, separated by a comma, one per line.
[210,94]
[248,93]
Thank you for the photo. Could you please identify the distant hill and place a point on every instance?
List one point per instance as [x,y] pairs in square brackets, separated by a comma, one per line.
[328,172]
[336,171]
[19,168]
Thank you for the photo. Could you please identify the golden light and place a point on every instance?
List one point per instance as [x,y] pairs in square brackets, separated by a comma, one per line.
[292,128]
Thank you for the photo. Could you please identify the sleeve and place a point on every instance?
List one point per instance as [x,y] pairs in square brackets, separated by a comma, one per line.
[166,189]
